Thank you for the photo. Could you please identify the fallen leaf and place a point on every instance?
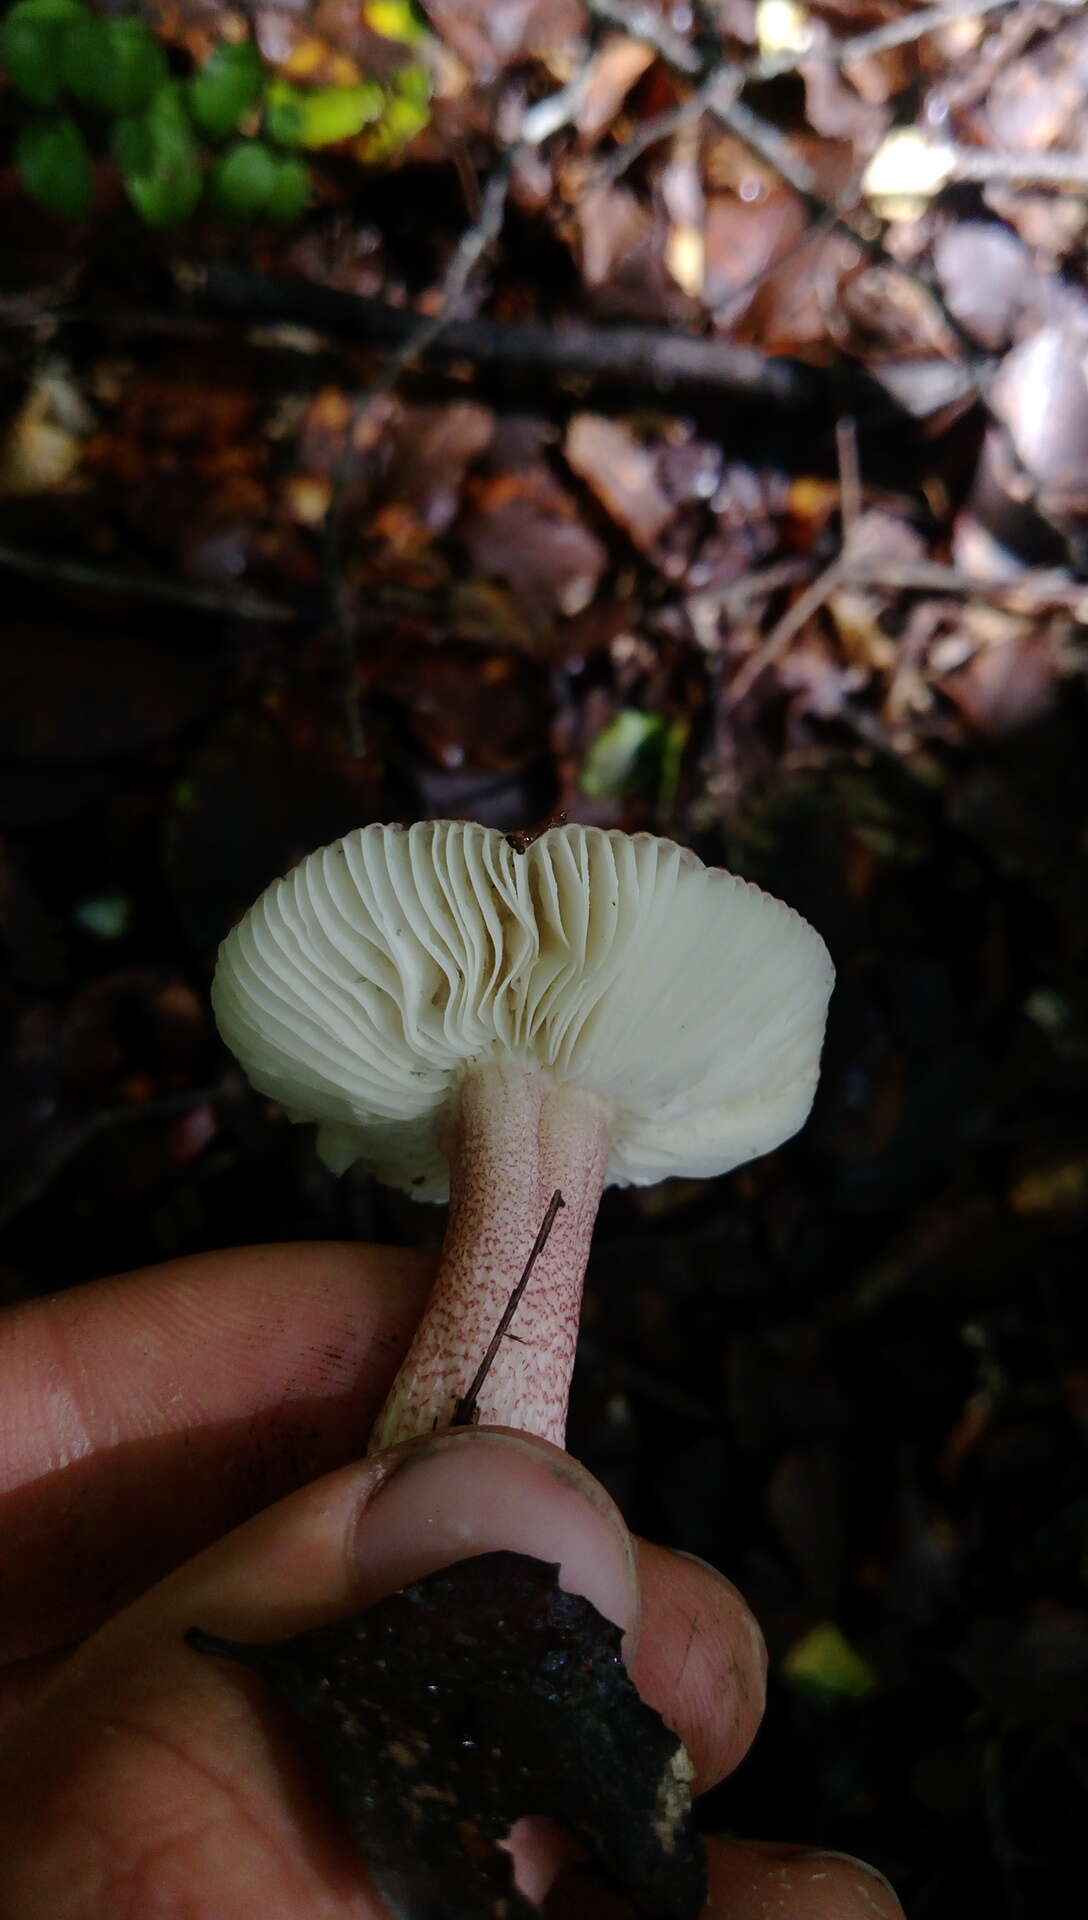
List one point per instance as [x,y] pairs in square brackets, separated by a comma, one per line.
[525,529]
[622,472]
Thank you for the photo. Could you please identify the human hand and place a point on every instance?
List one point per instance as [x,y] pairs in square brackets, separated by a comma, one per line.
[155,1417]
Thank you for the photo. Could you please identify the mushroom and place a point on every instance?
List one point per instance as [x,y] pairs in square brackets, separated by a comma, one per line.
[465,1015]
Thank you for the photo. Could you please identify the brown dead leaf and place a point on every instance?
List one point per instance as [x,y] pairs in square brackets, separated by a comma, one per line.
[988,280]
[1041,397]
[525,529]
[623,473]
[848,104]
[469,709]
[743,241]
[490,38]
[431,454]
[1037,101]
[1012,676]
[621,243]
[618,65]
[613,225]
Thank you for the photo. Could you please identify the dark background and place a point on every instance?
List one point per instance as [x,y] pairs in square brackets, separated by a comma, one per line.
[851,1374]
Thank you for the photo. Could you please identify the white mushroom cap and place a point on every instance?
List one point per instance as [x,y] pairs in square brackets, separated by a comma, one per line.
[362,987]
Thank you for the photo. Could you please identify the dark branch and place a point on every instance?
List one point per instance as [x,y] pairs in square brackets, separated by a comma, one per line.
[639,357]
[464,1413]
[55,568]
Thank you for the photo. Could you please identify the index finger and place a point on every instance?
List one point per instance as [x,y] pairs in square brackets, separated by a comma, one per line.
[143,1416]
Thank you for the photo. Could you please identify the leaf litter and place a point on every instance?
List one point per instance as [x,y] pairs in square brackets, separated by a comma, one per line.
[818,607]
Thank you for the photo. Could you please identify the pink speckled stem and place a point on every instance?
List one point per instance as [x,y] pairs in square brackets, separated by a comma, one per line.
[516,1135]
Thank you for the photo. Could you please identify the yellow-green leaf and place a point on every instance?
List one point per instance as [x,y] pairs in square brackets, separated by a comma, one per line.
[395,20]
[824,1663]
[319,116]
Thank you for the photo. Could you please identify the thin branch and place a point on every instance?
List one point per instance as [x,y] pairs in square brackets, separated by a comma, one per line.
[846,449]
[1038,591]
[883,39]
[658,127]
[645,22]
[142,586]
[464,1412]
[1033,593]
[640,357]
[785,631]
[1060,172]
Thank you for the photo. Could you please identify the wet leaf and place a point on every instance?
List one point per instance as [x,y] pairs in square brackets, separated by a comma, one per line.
[54,164]
[113,65]
[227,87]
[525,529]
[478,1696]
[160,160]
[396,20]
[824,1664]
[242,183]
[291,191]
[636,750]
[32,41]
[319,116]
[622,473]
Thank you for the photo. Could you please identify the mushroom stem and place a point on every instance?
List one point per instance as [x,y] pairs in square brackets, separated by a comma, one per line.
[516,1135]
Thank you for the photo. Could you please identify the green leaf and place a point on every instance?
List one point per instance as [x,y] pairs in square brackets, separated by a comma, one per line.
[228,86]
[621,756]
[395,20]
[54,164]
[319,116]
[113,65]
[32,46]
[400,122]
[824,1664]
[290,195]
[160,159]
[243,181]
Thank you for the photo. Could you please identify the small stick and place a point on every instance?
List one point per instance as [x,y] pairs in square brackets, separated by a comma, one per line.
[523,838]
[846,447]
[464,1412]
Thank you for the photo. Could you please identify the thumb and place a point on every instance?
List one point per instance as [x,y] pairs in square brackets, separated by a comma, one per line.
[157,1780]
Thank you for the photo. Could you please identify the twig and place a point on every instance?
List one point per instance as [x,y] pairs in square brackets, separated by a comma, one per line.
[659,126]
[142,586]
[640,357]
[897,33]
[464,1412]
[1061,172]
[846,449]
[648,23]
[1033,592]
[786,630]
[738,595]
